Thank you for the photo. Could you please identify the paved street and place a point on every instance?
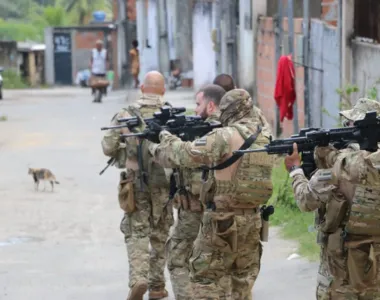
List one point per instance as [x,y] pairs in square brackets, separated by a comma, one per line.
[67,245]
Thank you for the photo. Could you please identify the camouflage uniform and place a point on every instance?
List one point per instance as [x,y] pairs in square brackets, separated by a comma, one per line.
[228,242]
[186,230]
[326,194]
[152,217]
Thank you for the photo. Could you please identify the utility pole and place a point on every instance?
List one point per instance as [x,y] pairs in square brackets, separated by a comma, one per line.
[306,62]
[279,41]
[163,45]
[291,51]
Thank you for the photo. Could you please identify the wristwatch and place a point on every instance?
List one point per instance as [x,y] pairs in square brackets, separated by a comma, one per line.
[293,168]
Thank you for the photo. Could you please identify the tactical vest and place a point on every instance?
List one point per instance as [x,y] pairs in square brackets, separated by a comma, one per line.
[156,176]
[252,185]
[364,214]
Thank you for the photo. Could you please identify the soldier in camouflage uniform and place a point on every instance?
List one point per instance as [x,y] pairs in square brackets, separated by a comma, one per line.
[148,216]
[228,242]
[227,83]
[187,202]
[346,272]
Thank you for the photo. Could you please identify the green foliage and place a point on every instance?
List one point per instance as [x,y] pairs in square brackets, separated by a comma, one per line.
[295,225]
[12,80]
[282,188]
[18,31]
[3,118]
[22,20]
[80,11]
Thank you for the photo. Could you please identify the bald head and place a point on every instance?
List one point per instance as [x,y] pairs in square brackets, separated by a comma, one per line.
[154,83]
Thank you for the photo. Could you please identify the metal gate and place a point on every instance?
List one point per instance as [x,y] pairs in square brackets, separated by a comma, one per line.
[62,58]
[324,75]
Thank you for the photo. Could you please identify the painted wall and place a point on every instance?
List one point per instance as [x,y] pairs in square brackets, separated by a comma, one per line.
[203,53]
[245,46]
[366,65]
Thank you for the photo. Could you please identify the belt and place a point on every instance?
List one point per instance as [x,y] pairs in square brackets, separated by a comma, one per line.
[239,211]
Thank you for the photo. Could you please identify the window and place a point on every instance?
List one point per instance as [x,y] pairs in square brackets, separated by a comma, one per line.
[366,22]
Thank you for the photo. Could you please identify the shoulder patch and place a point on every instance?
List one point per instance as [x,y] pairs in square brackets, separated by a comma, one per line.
[201,141]
[325,175]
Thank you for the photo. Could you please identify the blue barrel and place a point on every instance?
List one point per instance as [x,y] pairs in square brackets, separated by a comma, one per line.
[99,16]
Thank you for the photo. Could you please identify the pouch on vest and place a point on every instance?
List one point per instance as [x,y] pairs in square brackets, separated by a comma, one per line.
[126,193]
[364,218]
[336,259]
[224,232]
[336,210]
[361,268]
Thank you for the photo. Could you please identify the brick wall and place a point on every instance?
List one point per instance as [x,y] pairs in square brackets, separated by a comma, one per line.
[84,42]
[266,72]
[130,7]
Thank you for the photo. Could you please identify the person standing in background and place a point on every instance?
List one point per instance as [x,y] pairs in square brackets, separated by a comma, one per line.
[134,55]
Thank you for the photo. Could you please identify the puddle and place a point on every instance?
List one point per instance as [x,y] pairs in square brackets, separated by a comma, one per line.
[19,240]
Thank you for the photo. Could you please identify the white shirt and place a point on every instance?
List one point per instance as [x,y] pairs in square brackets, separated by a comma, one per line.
[99,61]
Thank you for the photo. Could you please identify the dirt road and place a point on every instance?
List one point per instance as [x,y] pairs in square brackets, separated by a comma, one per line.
[67,245]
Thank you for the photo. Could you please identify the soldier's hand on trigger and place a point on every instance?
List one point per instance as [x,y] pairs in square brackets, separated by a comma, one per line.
[293,160]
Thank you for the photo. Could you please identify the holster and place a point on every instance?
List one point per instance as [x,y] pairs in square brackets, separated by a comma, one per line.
[189,202]
[126,193]
[264,232]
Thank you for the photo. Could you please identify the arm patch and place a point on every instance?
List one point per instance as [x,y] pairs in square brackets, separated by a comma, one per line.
[201,141]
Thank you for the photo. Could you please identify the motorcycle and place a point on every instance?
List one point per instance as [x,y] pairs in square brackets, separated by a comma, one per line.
[1,83]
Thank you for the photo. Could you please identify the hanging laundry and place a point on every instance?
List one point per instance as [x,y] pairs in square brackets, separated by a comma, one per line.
[285,90]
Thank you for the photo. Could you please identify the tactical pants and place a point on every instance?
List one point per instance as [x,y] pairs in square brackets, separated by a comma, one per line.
[179,248]
[149,223]
[226,248]
[332,277]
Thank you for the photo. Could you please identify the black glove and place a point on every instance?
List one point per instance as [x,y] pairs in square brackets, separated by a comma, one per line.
[152,132]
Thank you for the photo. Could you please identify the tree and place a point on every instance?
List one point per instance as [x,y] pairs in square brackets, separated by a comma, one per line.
[82,10]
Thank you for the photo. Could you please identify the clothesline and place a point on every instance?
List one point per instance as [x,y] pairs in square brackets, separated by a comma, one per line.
[305,66]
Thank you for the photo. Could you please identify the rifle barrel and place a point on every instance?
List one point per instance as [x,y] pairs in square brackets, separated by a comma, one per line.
[250,151]
[114,127]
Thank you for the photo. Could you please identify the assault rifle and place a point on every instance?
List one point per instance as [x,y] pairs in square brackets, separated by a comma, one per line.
[187,128]
[159,117]
[365,132]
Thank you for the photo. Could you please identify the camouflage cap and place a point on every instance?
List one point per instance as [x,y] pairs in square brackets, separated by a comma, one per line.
[360,109]
[234,105]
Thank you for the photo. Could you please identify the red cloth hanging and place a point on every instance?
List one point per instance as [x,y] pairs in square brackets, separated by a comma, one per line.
[285,91]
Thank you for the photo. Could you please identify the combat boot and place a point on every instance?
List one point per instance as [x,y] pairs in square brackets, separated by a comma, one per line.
[138,290]
[157,294]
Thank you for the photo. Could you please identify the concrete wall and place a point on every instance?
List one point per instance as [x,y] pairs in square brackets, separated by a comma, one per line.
[266,72]
[203,53]
[366,65]
[147,29]
[183,34]
[8,55]
[171,26]
[246,47]
[49,56]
